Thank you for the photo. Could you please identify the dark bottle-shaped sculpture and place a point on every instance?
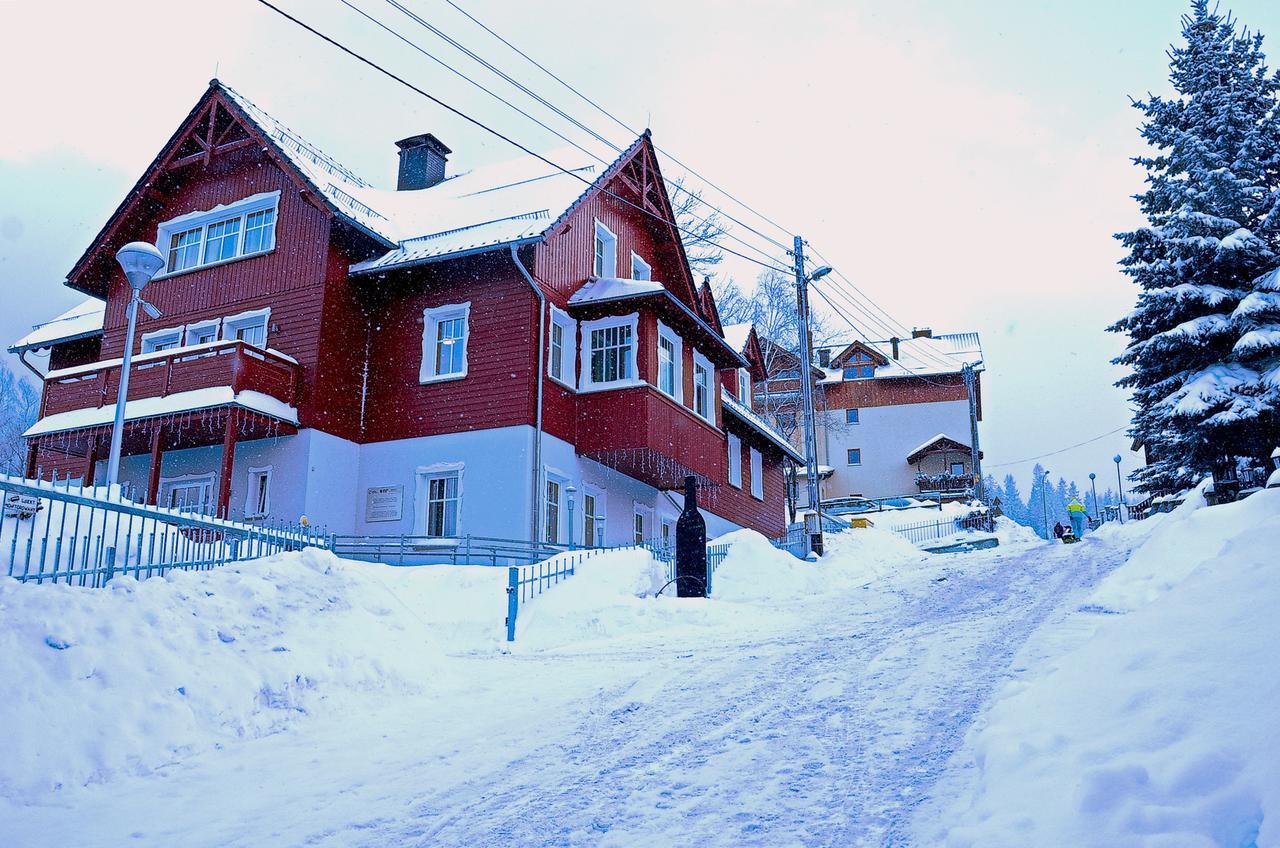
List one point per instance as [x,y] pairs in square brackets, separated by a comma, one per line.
[691,546]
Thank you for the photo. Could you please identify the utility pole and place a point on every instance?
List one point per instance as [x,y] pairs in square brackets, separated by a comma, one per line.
[806,393]
[970,384]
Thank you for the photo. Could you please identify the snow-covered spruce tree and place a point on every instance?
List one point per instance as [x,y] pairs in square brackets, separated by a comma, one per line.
[1014,507]
[1202,357]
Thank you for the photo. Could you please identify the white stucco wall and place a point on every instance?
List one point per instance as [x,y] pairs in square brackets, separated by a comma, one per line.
[885,434]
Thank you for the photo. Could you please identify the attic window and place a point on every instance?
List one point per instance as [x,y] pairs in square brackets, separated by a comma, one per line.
[640,270]
[233,231]
[859,367]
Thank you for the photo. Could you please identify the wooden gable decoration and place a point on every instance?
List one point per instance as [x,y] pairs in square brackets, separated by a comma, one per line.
[938,445]
[755,355]
[707,306]
[216,126]
[850,352]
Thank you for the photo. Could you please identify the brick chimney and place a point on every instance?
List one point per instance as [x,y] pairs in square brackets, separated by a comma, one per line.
[893,342]
[422,159]
[921,333]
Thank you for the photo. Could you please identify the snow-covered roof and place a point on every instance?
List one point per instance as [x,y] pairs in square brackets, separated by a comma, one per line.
[936,355]
[613,288]
[737,334]
[78,322]
[509,202]
[757,423]
[152,407]
[940,437]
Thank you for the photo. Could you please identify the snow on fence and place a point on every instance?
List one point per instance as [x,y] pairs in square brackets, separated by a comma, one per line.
[85,536]
[408,549]
[933,531]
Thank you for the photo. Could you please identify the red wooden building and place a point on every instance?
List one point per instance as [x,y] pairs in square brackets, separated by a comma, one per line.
[485,353]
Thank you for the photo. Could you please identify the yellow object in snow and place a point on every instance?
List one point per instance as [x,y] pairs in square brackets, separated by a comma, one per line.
[861,523]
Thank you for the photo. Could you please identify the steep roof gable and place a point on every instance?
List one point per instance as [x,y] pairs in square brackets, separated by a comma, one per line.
[845,355]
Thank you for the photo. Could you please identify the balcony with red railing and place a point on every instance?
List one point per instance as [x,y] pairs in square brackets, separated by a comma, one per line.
[230,365]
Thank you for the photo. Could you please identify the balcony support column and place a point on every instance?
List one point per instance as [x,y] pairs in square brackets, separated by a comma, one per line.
[157,456]
[228,458]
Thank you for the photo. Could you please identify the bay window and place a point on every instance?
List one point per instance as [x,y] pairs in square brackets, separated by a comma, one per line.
[562,342]
[445,330]
[605,260]
[670,358]
[231,231]
[609,352]
[640,270]
[703,405]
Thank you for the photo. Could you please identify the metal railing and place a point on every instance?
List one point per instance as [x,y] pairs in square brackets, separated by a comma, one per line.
[407,549]
[68,534]
[932,531]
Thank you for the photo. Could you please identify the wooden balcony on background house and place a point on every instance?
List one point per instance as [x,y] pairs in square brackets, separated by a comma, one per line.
[647,436]
[226,364]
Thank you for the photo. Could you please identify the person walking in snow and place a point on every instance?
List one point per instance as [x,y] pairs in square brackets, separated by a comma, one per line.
[1075,512]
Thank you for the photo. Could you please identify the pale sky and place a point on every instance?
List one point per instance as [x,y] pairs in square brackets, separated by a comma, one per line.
[965,164]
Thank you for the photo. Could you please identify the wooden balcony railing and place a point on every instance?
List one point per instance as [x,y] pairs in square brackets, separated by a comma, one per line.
[235,364]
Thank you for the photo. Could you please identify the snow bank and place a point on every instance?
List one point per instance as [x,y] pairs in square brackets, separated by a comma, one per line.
[1162,729]
[95,683]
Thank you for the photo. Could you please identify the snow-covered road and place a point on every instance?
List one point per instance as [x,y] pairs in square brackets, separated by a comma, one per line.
[826,729]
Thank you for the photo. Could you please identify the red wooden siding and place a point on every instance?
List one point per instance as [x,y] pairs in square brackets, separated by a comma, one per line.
[859,394]
[498,390]
[737,504]
[78,352]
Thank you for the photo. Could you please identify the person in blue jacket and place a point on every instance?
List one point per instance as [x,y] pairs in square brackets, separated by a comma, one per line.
[1075,511]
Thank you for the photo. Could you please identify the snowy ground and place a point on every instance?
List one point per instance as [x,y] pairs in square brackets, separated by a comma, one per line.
[837,704]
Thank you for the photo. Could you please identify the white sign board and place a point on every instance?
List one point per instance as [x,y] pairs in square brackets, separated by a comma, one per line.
[20,506]
[382,503]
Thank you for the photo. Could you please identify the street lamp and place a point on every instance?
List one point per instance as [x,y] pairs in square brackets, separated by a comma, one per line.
[140,261]
[1097,510]
[1044,501]
[806,391]
[1120,483]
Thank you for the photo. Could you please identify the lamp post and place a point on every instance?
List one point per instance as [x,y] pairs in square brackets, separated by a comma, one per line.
[1097,510]
[140,261]
[569,492]
[806,389]
[1044,501]
[1120,483]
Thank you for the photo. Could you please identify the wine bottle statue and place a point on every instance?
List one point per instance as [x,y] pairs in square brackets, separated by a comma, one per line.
[691,546]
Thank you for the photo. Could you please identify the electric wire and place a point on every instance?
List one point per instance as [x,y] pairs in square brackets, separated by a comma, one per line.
[538,98]
[1059,450]
[494,132]
[623,124]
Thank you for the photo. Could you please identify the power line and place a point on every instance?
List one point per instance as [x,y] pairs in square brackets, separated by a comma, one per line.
[496,133]
[538,98]
[623,124]
[1060,450]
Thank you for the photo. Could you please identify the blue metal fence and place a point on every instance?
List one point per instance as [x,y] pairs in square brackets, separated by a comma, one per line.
[932,531]
[59,532]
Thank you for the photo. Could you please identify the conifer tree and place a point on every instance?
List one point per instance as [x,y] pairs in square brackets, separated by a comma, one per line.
[1204,339]
[1014,506]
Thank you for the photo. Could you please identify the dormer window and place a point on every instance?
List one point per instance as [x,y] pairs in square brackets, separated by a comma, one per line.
[606,252]
[234,231]
[744,387]
[859,367]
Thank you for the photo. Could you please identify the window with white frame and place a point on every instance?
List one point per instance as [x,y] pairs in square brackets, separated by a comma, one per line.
[563,343]
[158,340]
[444,342]
[670,359]
[202,332]
[640,270]
[605,261]
[551,510]
[702,399]
[592,517]
[744,387]
[854,456]
[190,493]
[257,502]
[442,499]
[640,524]
[757,474]
[609,351]
[247,327]
[735,461]
[244,228]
